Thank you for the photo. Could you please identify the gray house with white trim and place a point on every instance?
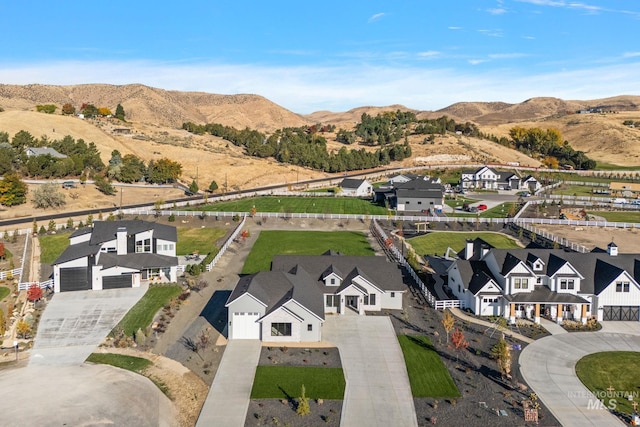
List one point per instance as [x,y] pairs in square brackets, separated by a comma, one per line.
[289,302]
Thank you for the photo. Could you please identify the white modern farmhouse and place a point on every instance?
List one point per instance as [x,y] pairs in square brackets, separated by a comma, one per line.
[530,283]
[117,254]
[289,302]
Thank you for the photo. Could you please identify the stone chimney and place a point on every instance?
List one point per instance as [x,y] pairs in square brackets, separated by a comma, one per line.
[121,241]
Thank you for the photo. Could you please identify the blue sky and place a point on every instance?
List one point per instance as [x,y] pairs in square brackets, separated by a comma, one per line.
[332,55]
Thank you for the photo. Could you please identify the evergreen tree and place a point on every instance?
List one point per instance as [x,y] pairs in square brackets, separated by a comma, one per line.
[120,113]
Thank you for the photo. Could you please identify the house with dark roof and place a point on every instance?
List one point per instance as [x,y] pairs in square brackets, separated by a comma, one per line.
[560,285]
[289,302]
[489,179]
[410,192]
[356,187]
[117,254]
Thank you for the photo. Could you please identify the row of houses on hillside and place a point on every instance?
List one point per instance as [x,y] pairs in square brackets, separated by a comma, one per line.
[534,282]
[487,178]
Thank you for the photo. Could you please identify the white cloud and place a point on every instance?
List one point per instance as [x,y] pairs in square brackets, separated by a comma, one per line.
[497,11]
[375,17]
[454,28]
[304,89]
[428,54]
[630,54]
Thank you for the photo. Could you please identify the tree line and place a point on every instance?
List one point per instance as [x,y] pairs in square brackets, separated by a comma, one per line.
[302,146]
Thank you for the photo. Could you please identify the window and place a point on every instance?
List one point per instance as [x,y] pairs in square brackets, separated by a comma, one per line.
[622,286]
[539,280]
[567,284]
[281,329]
[520,283]
[143,246]
[332,300]
[393,294]
[333,281]
[309,327]
[419,203]
[370,299]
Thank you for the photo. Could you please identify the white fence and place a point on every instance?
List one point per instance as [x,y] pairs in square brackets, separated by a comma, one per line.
[431,299]
[10,274]
[43,285]
[226,244]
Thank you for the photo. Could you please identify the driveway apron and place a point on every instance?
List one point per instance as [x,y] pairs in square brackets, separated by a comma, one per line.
[548,366]
[75,323]
[378,391]
[228,398]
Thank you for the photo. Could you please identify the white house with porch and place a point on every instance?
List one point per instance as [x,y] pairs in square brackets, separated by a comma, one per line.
[559,285]
[117,254]
[289,302]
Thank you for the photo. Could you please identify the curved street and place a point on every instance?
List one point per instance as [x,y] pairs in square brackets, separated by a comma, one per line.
[548,367]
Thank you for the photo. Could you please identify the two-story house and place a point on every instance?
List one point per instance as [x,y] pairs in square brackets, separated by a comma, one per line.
[489,179]
[117,254]
[530,283]
[289,302]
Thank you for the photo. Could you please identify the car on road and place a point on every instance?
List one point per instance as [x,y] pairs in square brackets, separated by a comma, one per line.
[482,207]
[523,194]
[474,209]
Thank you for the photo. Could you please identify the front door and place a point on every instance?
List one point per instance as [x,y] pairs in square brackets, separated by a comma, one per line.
[352,301]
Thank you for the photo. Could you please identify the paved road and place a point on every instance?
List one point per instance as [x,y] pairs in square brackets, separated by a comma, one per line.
[548,366]
[378,391]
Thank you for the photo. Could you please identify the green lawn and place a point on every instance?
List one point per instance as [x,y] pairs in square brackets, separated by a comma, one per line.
[284,382]
[577,190]
[438,242]
[427,374]
[201,240]
[624,216]
[335,205]
[51,246]
[141,314]
[130,363]
[600,371]
[271,243]
[4,291]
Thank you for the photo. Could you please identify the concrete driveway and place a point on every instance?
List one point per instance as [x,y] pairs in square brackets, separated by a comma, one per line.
[75,323]
[378,391]
[548,366]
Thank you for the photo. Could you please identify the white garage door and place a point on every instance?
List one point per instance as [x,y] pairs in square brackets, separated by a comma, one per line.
[245,326]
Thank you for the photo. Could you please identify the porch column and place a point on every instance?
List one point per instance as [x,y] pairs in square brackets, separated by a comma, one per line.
[559,314]
[583,317]
[536,318]
[512,313]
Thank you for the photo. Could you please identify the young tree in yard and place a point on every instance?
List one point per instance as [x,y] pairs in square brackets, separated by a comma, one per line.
[48,196]
[303,403]
[459,342]
[213,186]
[34,293]
[447,322]
[193,187]
[502,353]
[23,329]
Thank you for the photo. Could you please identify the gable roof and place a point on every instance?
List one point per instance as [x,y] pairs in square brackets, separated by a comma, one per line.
[476,274]
[138,261]
[352,183]
[104,231]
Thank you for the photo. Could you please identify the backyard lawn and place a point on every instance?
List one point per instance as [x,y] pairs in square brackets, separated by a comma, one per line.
[622,216]
[328,205]
[271,243]
[200,240]
[427,374]
[437,243]
[52,246]
[599,371]
[141,314]
[285,382]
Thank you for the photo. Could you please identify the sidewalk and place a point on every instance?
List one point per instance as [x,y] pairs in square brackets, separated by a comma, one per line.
[552,327]
[461,315]
[228,398]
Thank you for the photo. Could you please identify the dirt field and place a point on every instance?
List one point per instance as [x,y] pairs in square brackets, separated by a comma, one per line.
[591,237]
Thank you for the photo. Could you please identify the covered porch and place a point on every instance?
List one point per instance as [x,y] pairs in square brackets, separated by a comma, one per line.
[543,302]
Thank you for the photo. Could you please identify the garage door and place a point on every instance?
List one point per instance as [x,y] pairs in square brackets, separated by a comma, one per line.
[621,312]
[245,326]
[74,279]
[115,282]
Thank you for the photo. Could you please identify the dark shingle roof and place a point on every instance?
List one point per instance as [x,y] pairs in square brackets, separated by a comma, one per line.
[103,231]
[542,294]
[351,183]
[139,261]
